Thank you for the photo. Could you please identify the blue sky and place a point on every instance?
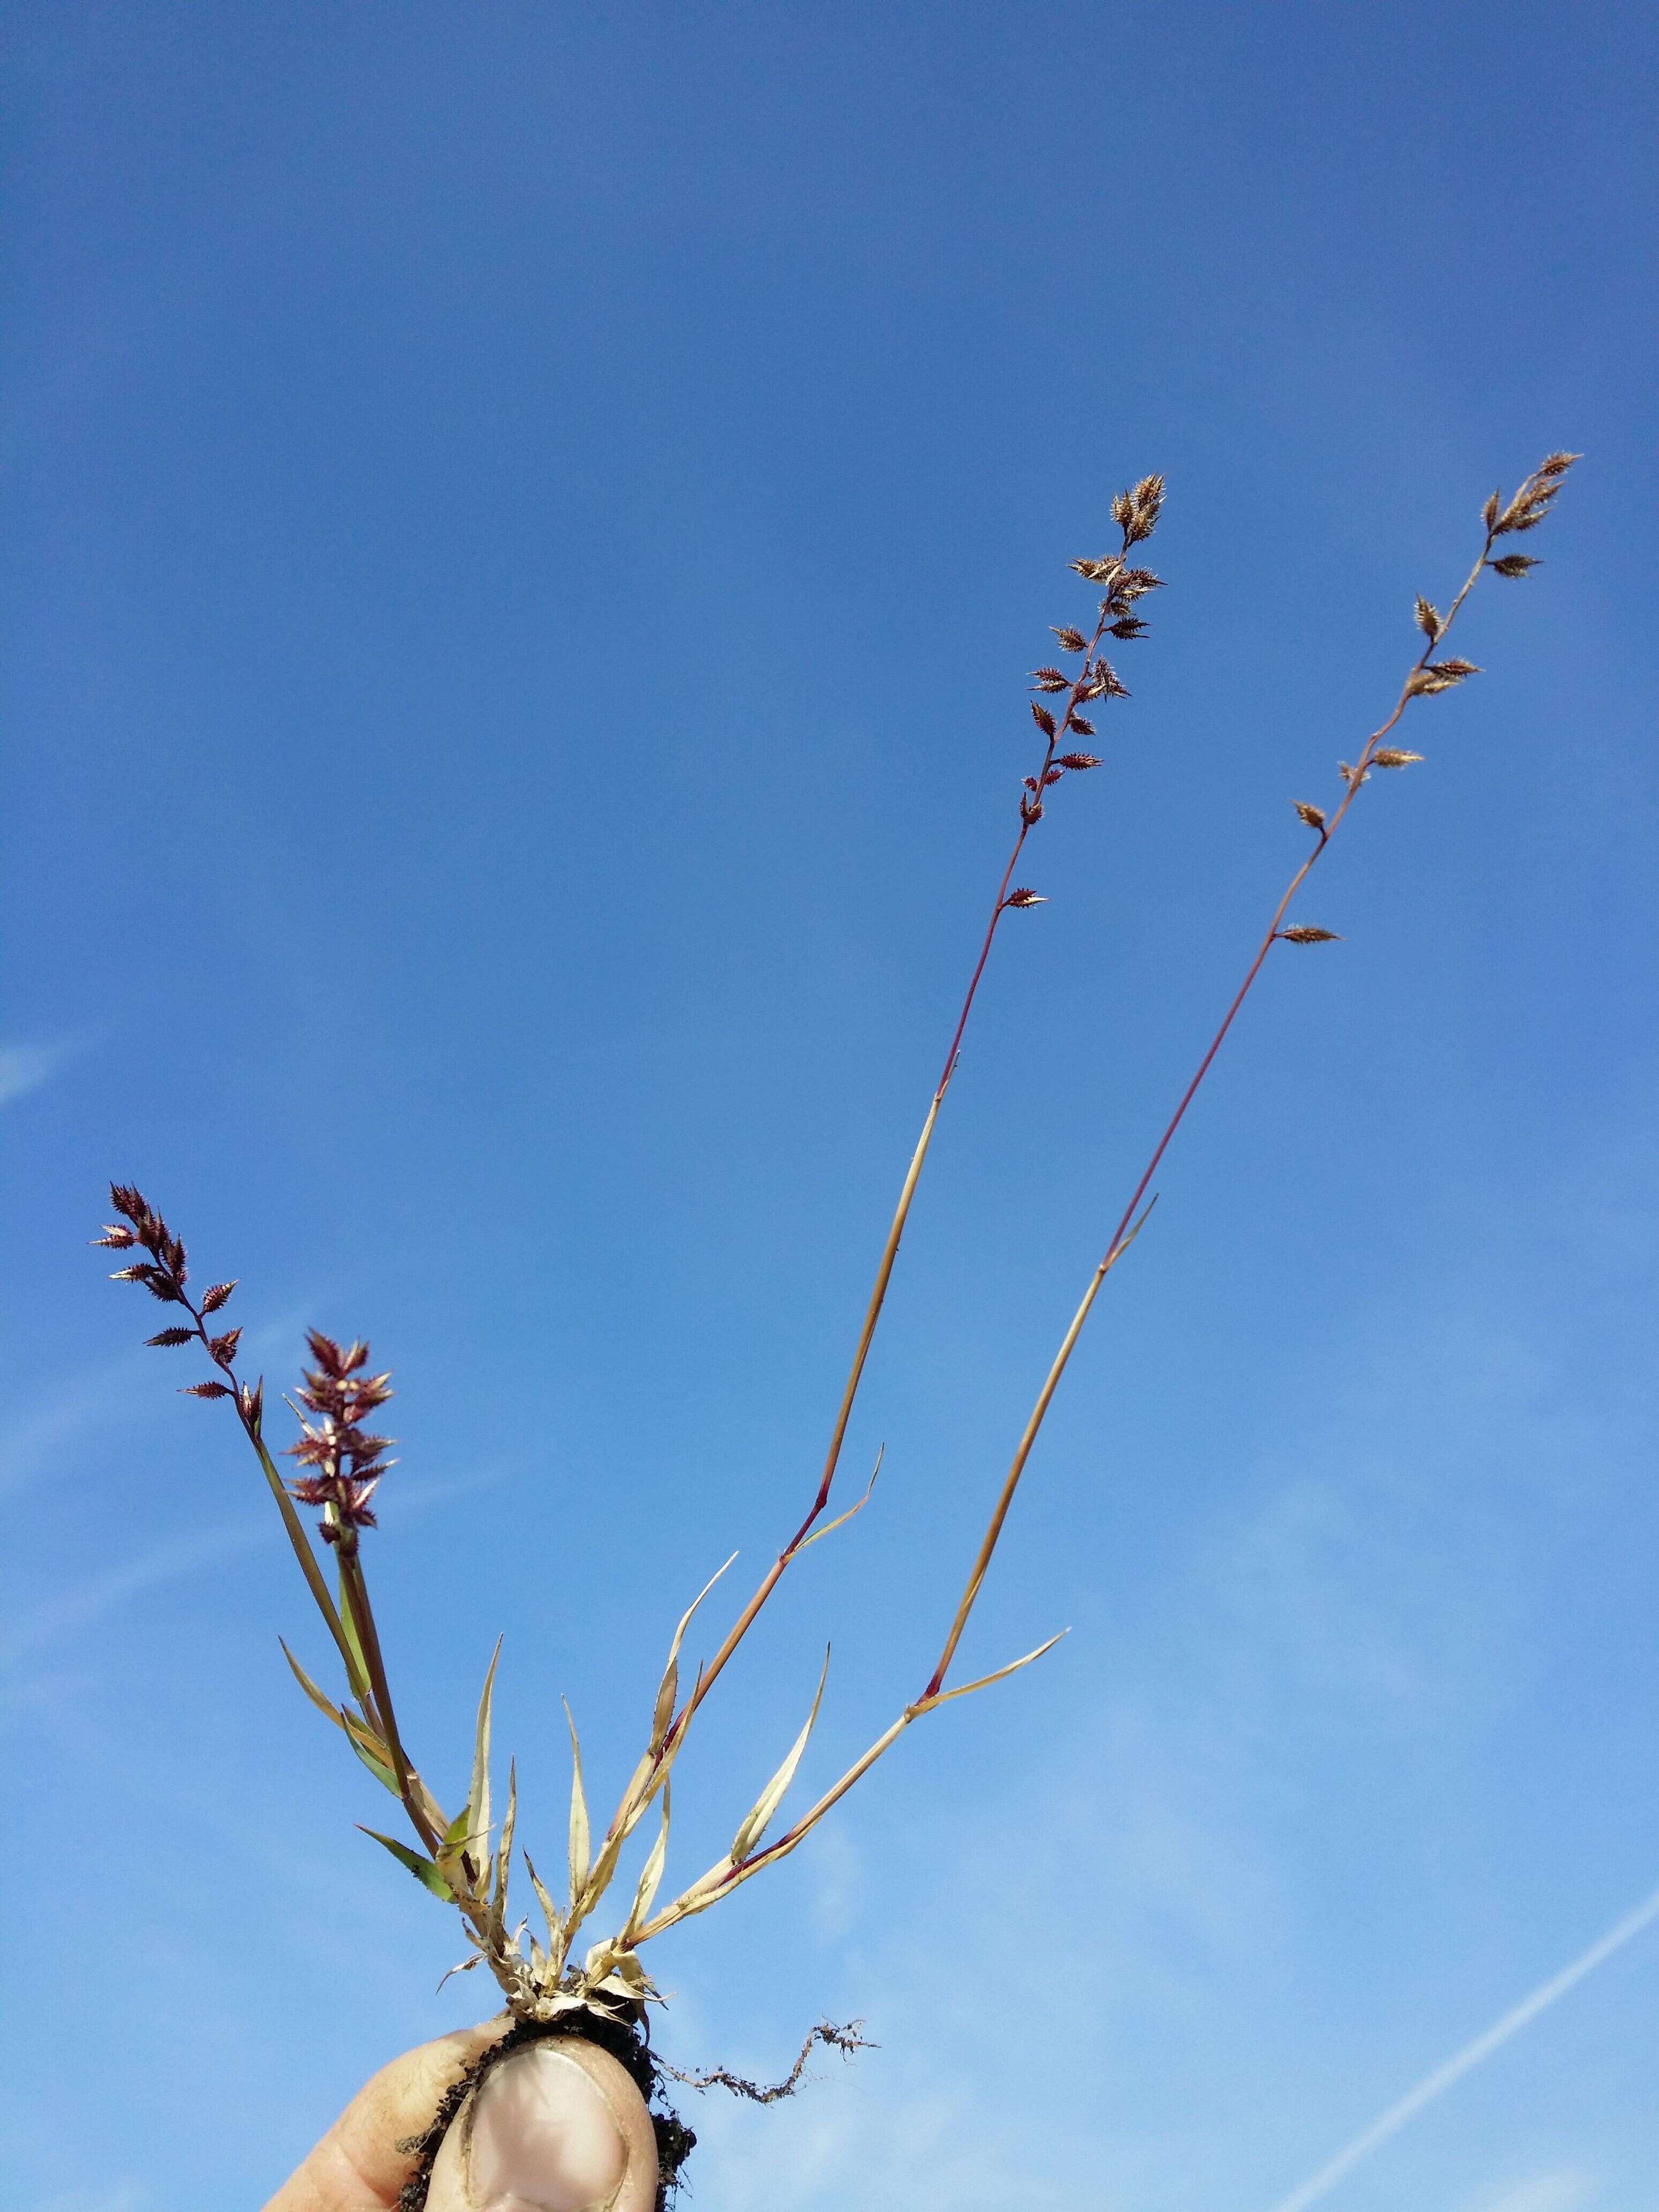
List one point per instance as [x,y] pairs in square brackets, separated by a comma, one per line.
[527,528]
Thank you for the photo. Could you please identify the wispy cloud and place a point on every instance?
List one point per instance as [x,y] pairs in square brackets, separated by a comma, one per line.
[83,1602]
[33,1442]
[1463,2062]
[25,1068]
[1562,2191]
[80,1604]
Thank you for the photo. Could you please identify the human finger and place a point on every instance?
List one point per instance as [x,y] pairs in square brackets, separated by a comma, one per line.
[358,2167]
[557,2126]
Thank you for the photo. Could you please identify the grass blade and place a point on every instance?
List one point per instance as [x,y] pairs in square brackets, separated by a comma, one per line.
[372,1751]
[323,1704]
[504,1857]
[477,1797]
[771,1797]
[551,1912]
[944,1697]
[842,1519]
[423,1868]
[650,1876]
[579,1831]
[669,1688]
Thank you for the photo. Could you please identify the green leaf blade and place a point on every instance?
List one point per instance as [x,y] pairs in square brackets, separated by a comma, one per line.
[423,1868]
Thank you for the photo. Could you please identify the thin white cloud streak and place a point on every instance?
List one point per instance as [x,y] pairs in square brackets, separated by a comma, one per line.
[83,1602]
[1549,2192]
[25,1068]
[32,1443]
[1436,2084]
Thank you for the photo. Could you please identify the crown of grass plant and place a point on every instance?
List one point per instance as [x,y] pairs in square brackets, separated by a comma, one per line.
[465,1859]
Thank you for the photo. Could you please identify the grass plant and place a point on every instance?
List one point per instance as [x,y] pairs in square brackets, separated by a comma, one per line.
[465,1859]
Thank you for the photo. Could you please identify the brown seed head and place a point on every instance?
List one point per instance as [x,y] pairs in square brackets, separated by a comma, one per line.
[348,1461]
[1438,676]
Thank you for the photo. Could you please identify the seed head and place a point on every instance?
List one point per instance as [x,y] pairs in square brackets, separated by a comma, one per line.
[348,1461]
[1438,676]
[1136,511]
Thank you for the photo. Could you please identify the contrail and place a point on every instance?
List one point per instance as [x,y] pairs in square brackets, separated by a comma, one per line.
[1470,2056]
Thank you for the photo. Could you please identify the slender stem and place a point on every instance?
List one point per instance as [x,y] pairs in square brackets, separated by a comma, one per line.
[872,1315]
[1026,821]
[721,1879]
[890,1248]
[355,1592]
[1010,1481]
[291,1522]
[367,1677]
[1123,1234]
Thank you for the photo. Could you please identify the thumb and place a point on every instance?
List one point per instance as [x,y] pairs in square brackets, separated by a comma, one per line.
[358,2167]
[557,2126]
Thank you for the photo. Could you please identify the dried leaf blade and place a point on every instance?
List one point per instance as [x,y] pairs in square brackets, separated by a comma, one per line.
[753,1826]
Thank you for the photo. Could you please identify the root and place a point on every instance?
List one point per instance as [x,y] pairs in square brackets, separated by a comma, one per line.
[845,2040]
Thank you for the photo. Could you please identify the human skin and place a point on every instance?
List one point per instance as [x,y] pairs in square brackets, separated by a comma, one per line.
[557,2128]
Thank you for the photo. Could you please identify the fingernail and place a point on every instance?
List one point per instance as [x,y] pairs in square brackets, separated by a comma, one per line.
[556,2126]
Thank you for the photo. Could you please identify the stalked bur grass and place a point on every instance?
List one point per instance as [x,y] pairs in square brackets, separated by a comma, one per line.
[467,1860]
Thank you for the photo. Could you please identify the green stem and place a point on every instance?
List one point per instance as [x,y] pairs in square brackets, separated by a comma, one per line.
[355,1592]
[309,1568]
